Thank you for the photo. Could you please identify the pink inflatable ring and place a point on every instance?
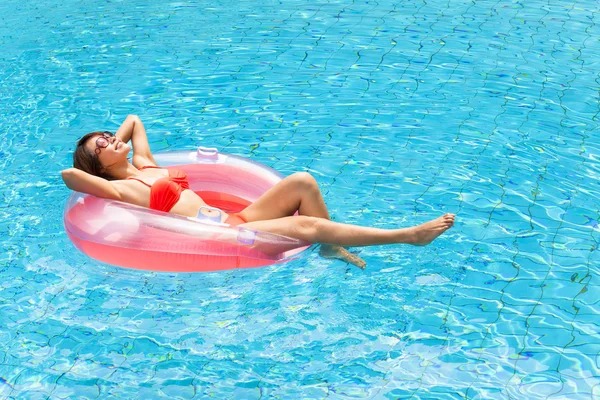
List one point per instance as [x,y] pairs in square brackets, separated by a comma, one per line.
[129,236]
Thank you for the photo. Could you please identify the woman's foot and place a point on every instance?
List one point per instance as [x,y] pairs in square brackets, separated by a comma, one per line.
[429,231]
[340,253]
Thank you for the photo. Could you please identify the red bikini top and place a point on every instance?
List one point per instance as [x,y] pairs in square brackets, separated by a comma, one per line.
[165,192]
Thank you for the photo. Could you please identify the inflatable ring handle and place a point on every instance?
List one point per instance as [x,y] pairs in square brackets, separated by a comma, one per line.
[211,153]
[203,217]
[246,236]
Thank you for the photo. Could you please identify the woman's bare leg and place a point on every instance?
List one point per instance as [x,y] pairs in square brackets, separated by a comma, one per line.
[320,230]
[297,193]
[273,212]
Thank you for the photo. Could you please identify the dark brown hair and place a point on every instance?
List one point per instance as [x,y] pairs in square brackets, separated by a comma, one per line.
[89,162]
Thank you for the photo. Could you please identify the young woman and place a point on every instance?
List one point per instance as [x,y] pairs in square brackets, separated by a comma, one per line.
[101,168]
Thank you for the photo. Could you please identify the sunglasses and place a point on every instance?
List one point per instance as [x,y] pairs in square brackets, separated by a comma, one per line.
[103,141]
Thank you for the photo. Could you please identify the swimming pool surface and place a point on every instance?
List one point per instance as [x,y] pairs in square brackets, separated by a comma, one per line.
[402,111]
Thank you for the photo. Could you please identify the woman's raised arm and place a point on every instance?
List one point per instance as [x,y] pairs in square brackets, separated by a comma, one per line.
[81,181]
[133,129]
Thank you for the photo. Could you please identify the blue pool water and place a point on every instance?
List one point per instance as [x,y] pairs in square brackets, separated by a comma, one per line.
[402,111]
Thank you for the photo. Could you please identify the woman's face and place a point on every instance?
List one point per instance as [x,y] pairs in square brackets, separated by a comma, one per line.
[108,148]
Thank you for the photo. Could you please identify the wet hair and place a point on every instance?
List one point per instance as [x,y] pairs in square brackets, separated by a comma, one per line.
[89,162]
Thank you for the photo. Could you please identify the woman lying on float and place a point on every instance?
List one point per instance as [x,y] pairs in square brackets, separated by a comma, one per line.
[102,169]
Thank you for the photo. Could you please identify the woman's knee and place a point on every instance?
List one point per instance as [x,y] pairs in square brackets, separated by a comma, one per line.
[307,227]
[304,180]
